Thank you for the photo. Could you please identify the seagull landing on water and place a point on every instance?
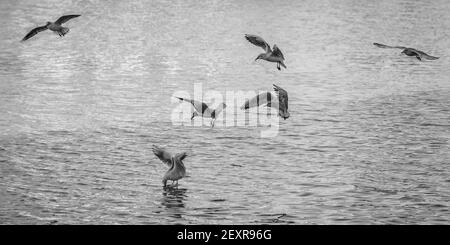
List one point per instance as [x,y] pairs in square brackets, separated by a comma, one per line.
[409,51]
[52,26]
[177,170]
[203,110]
[270,55]
[268,99]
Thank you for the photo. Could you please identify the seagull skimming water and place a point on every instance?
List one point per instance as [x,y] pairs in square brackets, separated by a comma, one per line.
[203,110]
[281,104]
[409,51]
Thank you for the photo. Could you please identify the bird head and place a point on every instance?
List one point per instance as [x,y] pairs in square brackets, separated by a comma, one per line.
[406,51]
[179,157]
[259,57]
[284,114]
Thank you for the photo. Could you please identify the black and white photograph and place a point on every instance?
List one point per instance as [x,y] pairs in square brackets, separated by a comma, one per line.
[225,112]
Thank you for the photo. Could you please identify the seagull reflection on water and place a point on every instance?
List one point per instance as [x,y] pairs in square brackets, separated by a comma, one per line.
[173,198]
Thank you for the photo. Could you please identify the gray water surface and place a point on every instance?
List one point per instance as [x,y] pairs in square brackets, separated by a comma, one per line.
[367,141]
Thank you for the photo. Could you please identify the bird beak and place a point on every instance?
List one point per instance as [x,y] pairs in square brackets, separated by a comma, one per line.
[256,58]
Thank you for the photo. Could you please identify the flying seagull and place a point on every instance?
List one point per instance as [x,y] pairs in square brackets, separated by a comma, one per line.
[203,110]
[270,55]
[177,170]
[52,26]
[269,100]
[409,51]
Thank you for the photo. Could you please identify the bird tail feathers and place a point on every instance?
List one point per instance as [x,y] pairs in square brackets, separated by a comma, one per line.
[63,31]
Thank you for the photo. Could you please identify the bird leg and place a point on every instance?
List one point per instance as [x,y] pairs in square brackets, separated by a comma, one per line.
[278,66]
[194,115]
[61,33]
[212,122]
[174,183]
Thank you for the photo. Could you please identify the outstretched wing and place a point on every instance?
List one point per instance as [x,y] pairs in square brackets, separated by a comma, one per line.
[34,32]
[258,41]
[387,46]
[199,106]
[260,99]
[426,56]
[65,18]
[282,97]
[277,52]
[163,155]
[181,156]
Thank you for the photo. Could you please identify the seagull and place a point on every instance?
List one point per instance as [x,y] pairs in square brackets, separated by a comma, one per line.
[409,51]
[268,100]
[274,55]
[203,110]
[52,26]
[177,170]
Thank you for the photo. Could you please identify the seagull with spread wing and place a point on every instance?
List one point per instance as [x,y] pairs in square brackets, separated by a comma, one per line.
[52,26]
[177,170]
[409,51]
[202,109]
[266,98]
[270,55]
